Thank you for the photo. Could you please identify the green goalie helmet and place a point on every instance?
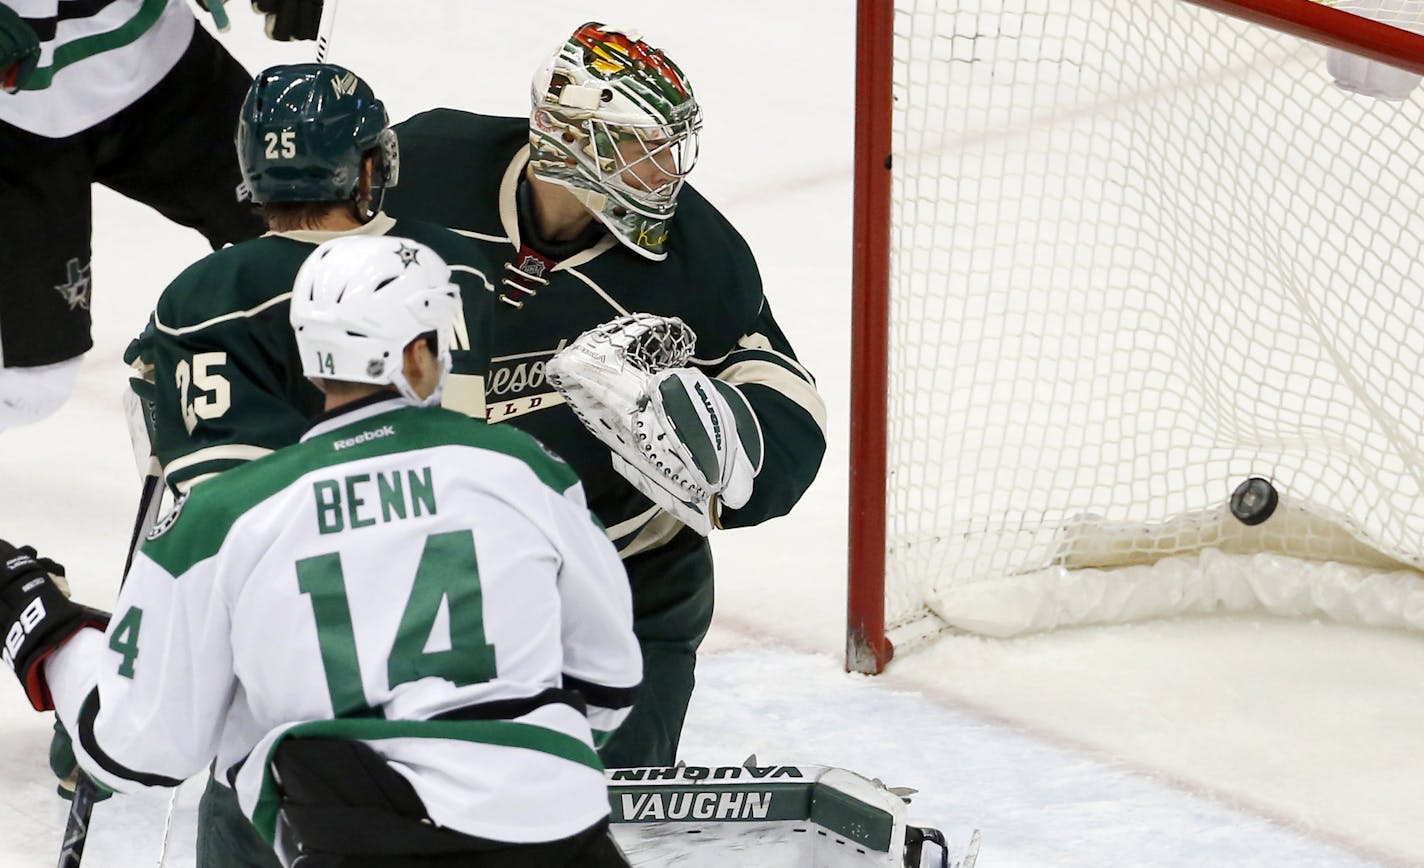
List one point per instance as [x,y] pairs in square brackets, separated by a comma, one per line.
[615,121]
[303,132]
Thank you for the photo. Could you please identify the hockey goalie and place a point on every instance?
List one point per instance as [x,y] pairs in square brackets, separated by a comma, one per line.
[690,444]
[769,816]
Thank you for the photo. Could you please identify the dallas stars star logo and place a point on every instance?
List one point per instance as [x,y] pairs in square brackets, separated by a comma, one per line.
[408,256]
[76,291]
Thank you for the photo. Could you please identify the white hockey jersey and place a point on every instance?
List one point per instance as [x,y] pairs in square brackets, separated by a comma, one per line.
[95,59]
[404,576]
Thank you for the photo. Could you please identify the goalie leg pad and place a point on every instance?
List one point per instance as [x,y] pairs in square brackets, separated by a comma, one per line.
[769,816]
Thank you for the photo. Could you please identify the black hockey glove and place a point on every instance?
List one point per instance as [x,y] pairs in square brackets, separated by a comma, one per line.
[19,50]
[37,617]
[289,20]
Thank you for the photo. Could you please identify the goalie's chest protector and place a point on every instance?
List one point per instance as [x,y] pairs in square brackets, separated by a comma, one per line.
[459,169]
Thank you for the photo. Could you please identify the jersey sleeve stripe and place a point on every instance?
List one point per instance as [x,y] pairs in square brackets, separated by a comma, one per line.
[237,314]
[779,379]
[509,709]
[88,713]
[225,452]
[601,695]
[769,356]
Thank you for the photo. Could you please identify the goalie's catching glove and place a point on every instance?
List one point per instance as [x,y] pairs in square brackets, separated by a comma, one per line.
[691,444]
[19,50]
[37,617]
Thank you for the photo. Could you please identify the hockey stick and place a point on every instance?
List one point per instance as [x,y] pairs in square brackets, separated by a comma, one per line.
[324,30]
[81,805]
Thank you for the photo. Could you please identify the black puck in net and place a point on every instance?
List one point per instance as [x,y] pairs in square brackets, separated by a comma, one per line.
[1254,501]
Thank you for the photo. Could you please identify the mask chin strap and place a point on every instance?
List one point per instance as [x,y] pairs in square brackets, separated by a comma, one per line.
[385,173]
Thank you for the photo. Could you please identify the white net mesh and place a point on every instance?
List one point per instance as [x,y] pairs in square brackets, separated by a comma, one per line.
[1142,251]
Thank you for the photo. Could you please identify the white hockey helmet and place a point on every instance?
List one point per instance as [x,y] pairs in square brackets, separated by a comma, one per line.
[615,121]
[360,299]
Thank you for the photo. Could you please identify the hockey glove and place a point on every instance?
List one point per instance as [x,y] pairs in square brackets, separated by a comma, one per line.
[689,443]
[66,767]
[19,50]
[37,617]
[290,20]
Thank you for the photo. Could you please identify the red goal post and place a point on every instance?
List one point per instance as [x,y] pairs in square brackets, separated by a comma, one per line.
[1002,186]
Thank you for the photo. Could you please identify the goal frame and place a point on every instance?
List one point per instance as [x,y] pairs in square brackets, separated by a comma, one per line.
[868,649]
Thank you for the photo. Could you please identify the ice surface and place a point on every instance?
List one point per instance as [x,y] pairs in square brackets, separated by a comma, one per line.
[1225,742]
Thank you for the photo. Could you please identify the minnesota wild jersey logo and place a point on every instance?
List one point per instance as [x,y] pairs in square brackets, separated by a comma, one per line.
[169,518]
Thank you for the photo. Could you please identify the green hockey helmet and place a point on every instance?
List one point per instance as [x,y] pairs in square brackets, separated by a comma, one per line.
[303,132]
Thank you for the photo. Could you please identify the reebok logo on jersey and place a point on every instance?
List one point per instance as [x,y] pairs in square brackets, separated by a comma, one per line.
[363,437]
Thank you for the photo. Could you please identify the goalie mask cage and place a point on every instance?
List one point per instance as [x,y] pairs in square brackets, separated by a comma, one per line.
[1112,259]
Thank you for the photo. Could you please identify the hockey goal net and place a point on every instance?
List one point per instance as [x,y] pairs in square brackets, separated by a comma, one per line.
[1113,260]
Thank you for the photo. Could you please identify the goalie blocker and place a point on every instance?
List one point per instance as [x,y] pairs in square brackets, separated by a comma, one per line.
[771,816]
[688,442]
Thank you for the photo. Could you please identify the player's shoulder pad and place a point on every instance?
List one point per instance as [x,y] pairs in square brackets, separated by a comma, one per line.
[551,469]
[235,279]
[458,124]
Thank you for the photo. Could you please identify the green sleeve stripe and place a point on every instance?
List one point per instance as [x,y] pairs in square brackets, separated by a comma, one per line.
[500,733]
[97,43]
[779,379]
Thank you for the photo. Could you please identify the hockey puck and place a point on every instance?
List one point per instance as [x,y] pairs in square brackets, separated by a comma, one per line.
[1254,501]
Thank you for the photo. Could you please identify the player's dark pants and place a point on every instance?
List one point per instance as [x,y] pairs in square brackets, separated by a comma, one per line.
[672,609]
[172,149]
[672,594]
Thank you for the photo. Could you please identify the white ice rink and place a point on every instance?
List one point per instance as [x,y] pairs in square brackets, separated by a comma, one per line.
[1232,742]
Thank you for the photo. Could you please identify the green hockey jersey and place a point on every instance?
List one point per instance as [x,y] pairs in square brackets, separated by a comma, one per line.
[227,380]
[463,170]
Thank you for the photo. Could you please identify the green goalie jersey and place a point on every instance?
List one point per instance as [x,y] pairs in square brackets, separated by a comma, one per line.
[464,171]
[226,378]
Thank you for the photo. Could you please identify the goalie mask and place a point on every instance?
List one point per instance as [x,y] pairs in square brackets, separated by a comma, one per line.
[303,132]
[615,122]
[359,300]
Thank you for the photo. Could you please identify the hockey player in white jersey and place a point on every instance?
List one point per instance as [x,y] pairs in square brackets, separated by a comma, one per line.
[400,640]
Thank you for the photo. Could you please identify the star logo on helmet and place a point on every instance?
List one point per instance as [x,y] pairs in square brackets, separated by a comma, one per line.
[408,256]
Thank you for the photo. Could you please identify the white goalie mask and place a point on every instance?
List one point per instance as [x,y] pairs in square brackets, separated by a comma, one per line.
[359,300]
[615,122]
